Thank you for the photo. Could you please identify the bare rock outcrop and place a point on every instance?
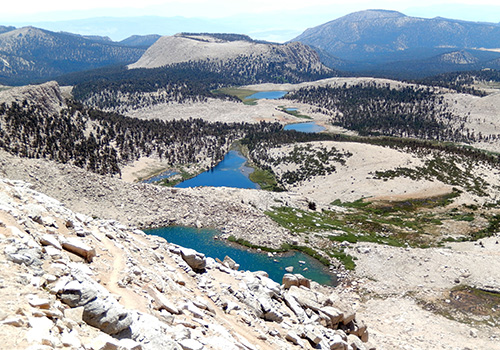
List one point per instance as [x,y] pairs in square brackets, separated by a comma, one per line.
[99,308]
[194,259]
[47,95]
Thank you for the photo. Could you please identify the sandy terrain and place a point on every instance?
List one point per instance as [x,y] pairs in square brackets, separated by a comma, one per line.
[355,179]
[395,279]
[482,115]
[182,48]
[142,168]
[226,111]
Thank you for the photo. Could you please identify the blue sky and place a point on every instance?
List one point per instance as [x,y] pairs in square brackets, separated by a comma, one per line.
[283,18]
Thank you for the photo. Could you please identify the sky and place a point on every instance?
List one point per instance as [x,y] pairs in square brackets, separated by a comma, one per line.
[266,15]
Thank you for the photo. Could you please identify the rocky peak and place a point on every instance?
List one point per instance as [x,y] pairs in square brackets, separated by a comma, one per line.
[23,34]
[31,54]
[4,29]
[458,57]
[368,15]
[369,35]
[47,96]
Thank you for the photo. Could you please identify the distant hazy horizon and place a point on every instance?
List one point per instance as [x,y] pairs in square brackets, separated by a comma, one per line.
[274,21]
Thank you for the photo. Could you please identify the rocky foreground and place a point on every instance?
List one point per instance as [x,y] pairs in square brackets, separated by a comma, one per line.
[70,281]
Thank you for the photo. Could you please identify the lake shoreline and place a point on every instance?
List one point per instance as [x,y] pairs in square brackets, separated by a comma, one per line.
[213,243]
[231,171]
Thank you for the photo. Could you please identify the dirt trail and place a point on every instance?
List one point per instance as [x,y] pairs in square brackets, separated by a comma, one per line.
[128,299]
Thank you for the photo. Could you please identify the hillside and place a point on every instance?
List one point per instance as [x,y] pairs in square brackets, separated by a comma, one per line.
[371,39]
[180,48]
[144,41]
[388,290]
[30,54]
[188,67]
[37,123]
[398,197]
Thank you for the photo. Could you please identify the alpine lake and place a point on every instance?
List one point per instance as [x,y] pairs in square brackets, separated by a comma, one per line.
[233,172]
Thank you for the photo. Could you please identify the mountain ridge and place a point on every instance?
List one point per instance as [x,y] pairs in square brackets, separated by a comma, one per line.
[31,54]
[187,47]
[381,36]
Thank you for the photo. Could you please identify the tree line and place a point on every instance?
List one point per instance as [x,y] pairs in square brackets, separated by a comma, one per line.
[102,142]
[379,109]
[120,88]
[463,82]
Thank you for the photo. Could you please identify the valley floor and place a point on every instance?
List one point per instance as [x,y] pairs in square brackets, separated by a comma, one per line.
[410,298]
[388,288]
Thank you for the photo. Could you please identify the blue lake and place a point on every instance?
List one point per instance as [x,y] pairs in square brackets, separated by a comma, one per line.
[202,240]
[270,95]
[309,127]
[164,175]
[230,172]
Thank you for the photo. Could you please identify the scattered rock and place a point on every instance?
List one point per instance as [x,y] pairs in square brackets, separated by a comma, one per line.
[100,309]
[194,259]
[162,302]
[75,314]
[336,316]
[79,248]
[230,263]
[50,240]
[174,315]
[290,280]
[38,302]
[191,344]
[16,321]
[292,337]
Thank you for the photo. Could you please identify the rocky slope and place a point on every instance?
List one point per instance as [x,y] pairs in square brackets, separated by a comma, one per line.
[49,96]
[69,281]
[388,288]
[401,293]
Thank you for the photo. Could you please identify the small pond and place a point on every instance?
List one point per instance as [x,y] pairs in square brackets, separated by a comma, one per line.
[159,177]
[202,240]
[230,172]
[309,127]
[270,95]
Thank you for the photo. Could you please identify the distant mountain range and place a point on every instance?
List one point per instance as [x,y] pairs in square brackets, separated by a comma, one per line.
[372,42]
[380,40]
[31,54]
